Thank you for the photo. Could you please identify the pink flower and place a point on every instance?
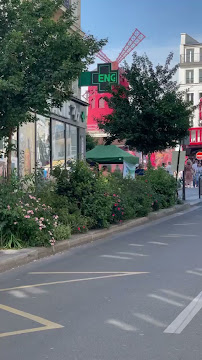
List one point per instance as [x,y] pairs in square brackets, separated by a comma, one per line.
[27,217]
[79,228]
[122,213]
[8,207]
[15,223]
[30,212]
[36,219]
[40,228]
[114,194]
[84,227]
[42,219]
[113,214]
[115,204]
[119,209]
[55,217]
[43,205]
[119,200]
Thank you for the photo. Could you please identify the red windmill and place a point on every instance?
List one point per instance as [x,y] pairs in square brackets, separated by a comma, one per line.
[97,105]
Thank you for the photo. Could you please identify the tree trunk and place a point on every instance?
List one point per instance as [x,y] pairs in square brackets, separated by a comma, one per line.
[149,165]
[9,151]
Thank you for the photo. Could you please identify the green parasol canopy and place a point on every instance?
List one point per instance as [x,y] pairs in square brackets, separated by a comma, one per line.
[110,154]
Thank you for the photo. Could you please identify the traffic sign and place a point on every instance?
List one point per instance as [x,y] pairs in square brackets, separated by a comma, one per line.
[199,155]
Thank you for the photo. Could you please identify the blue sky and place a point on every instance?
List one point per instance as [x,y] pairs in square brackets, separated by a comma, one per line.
[161,21]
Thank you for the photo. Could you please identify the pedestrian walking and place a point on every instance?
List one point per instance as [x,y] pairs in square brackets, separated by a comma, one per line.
[194,167]
[198,173]
[189,174]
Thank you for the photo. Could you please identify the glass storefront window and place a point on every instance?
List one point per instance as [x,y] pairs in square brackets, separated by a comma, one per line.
[14,154]
[26,149]
[58,143]
[43,144]
[73,136]
[68,142]
[71,142]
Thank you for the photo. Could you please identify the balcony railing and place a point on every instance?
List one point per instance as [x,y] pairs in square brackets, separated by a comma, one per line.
[191,58]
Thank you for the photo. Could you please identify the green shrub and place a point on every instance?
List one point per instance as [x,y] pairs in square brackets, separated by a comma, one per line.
[163,185]
[62,232]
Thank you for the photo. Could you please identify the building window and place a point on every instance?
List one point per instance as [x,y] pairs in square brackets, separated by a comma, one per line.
[189,55]
[190,98]
[189,76]
[58,143]
[43,143]
[200,54]
[191,121]
[26,149]
[200,75]
[193,136]
[93,103]
[101,103]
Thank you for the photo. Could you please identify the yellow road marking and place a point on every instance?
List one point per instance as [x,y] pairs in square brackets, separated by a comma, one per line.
[72,281]
[48,325]
[79,272]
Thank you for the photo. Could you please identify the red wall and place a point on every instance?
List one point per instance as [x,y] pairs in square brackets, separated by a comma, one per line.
[95,113]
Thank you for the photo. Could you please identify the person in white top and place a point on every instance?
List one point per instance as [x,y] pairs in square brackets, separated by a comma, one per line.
[194,167]
[168,168]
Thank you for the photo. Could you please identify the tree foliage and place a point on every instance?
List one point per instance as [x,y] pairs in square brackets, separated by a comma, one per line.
[151,113]
[40,57]
[91,142]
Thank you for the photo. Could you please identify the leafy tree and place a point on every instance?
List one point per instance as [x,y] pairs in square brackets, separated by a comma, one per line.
[40,58]
[91,142]
[151,113]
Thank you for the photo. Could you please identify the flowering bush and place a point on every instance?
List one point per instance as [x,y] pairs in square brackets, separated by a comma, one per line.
[26,218]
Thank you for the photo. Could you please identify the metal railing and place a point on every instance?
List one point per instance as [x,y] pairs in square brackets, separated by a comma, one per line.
[191,58]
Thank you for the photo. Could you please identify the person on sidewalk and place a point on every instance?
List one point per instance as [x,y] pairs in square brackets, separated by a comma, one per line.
[198,173]
[168,168]
[189,174]
[194,167]
[139,171]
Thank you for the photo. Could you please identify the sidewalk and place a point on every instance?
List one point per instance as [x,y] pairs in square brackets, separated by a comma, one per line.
[191,195]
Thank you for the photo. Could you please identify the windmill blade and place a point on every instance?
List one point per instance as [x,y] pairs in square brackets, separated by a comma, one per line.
[134,40]
[102,56]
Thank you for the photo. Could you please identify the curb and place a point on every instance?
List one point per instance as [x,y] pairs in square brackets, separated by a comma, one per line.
[91,236]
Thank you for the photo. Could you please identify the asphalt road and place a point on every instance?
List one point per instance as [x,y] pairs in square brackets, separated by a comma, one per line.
[135,296]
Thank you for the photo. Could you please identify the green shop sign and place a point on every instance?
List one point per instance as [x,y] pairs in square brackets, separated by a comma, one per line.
[102,78]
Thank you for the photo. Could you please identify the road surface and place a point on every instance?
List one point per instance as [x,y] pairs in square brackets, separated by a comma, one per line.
[136,295]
